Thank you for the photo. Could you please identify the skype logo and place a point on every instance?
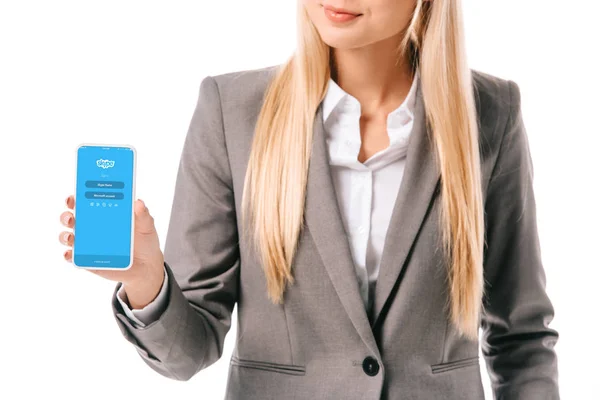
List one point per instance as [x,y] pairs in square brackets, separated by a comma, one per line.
[105,163]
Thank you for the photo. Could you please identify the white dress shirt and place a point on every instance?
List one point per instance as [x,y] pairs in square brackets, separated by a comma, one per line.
[366,192]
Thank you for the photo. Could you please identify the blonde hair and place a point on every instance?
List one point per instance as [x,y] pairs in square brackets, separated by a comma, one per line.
[283,139]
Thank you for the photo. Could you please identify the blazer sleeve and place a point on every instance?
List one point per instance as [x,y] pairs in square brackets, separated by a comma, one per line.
[201,254]
[518,344]
[151,311]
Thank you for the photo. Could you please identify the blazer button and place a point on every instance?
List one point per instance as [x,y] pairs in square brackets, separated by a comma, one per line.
[370,366]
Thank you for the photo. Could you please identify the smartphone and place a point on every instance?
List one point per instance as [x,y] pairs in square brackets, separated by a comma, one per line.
[104,201]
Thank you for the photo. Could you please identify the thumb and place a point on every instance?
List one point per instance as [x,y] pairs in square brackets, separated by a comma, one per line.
[144,223]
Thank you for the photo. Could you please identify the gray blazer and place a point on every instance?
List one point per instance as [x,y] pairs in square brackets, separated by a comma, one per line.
[321,343]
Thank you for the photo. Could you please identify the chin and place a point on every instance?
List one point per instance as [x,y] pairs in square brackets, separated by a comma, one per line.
[343,40]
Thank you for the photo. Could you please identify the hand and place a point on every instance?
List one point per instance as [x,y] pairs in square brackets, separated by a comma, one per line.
[143,280]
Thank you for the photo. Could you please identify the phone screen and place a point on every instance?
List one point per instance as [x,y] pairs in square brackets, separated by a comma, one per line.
[104,207]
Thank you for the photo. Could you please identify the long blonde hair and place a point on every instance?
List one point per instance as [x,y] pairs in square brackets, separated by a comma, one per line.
[283,139]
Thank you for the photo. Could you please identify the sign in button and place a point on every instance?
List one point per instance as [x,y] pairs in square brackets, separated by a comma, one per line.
[105,184]
[104,195]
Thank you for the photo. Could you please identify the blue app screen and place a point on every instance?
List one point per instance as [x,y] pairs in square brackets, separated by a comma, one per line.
[103,206]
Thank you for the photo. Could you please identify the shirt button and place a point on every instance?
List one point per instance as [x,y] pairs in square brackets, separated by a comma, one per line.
[361,229]
[348,143]
[370,366]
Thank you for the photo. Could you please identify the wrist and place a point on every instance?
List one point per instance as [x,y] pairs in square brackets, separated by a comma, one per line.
[140,294]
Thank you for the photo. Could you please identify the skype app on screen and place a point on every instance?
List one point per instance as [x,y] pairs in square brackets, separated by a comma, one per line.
[103,207]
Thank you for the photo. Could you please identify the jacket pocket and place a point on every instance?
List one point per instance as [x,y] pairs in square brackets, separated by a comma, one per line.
[447,366]
[289,369]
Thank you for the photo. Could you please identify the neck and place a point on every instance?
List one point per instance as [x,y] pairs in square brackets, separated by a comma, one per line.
[373,75]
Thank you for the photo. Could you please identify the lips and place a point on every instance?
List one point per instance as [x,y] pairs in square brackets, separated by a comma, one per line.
[339,15]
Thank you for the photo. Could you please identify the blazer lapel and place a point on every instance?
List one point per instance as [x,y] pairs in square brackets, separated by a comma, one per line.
[420,184]
[325,224]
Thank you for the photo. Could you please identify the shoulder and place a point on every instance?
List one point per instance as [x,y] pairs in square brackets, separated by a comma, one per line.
[498,104]
[503,139]
[248,76]
[495,97]
[244,87]
[237,96]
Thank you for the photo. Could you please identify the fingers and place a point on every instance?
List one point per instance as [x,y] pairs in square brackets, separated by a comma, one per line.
[144,222]
[140,207]
[67,219]
[70,202]
[66,238]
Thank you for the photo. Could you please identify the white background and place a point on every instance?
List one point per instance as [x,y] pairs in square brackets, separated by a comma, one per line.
[129,72]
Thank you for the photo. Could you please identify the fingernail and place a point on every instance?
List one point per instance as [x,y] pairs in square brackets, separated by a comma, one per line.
[66,237]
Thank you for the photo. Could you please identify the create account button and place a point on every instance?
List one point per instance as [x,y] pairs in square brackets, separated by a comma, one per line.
[105,184]
[104,195]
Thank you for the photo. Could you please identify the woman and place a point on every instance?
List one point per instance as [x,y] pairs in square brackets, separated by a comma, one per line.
[368,205]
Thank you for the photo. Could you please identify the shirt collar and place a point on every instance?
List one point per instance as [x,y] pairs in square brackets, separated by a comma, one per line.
[335,96]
